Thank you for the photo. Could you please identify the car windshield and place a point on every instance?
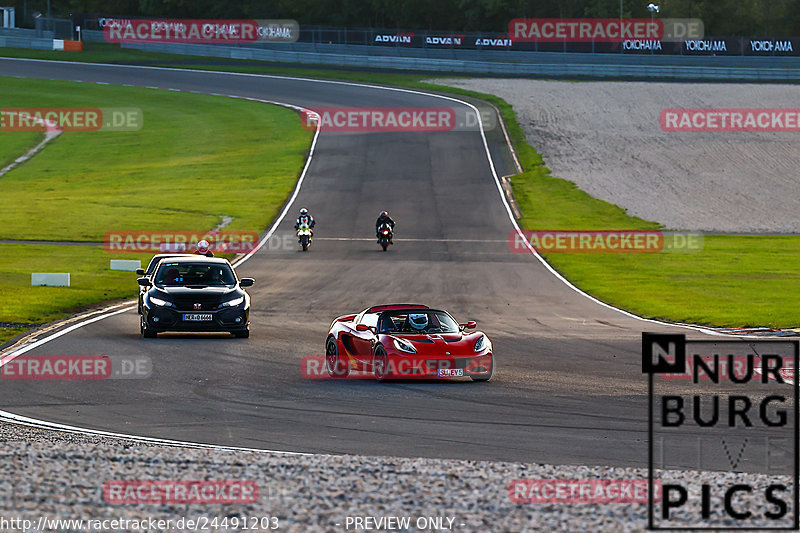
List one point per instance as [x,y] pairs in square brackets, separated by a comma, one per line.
[426,322]
[180,274]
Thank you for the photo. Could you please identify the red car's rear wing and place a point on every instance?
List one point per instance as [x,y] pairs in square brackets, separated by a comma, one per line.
[392,307]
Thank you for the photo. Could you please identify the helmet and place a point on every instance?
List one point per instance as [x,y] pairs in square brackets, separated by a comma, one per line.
[418,320]
[384,214]
[303,211]
[203,246]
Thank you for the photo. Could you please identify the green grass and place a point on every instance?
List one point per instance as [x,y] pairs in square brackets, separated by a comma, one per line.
[734,281]
[90,279]
[196,158]
[16,143]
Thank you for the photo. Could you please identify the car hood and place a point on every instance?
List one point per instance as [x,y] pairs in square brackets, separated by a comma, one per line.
[442,344]
[205,294]
[207,289]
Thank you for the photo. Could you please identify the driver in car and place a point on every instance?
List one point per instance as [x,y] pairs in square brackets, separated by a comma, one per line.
[418,322]
[171,277]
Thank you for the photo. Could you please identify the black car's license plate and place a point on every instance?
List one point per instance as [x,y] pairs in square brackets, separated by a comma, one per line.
[197,317]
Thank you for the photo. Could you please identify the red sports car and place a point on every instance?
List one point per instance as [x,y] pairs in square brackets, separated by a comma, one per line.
[407,341]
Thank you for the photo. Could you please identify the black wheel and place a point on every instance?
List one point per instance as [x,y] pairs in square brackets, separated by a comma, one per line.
[380,363]
[304,243]
[484,377]
[146,332]
[384,244]
[333,362]
[242,334]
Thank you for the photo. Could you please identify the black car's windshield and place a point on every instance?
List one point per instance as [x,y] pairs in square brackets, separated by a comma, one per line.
[417,321]
[181,274]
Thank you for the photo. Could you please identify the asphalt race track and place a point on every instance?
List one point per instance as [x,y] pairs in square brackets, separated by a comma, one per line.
[568,388]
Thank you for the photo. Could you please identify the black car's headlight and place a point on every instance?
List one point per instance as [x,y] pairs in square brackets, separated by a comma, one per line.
[481,343]
[159,302]
[233,303]
[403,345]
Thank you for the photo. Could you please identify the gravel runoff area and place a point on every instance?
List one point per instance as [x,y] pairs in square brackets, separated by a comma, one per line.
[61,476]
[606,137]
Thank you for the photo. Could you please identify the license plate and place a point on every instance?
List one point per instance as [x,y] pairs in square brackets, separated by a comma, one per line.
[450,372]
[197,317]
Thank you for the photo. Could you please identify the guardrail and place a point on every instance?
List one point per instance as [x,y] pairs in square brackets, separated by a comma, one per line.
[509,56]
[92,36]
[24,32]
[513,56]
[26,42]
[516,63]
[574,68]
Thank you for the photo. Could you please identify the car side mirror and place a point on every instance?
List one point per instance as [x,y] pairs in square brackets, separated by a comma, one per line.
[469,325]
[140,271]
[144,282]
[246,282]
[364,327]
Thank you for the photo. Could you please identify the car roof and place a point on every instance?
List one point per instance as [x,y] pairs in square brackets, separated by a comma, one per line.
[196,258]
[159,257]
[393,307]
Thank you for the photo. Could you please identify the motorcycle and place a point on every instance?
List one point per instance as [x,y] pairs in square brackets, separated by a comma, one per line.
[385,236]
[304,234]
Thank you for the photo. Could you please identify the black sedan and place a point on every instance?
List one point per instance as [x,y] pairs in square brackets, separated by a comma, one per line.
[195,293]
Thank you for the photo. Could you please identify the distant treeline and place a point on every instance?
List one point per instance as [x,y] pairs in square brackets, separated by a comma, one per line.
[721,17]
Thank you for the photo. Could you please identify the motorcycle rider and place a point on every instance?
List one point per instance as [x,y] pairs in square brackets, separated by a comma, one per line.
[384,218]
[203,249]
[305,218]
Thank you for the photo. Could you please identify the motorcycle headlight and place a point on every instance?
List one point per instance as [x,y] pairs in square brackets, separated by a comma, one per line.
[232,303]
[160,302]
[403,346]
[481,343]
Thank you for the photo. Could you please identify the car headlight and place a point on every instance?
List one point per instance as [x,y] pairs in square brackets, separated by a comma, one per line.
[159,302]
[481,343]
[232,303]
[403,346]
